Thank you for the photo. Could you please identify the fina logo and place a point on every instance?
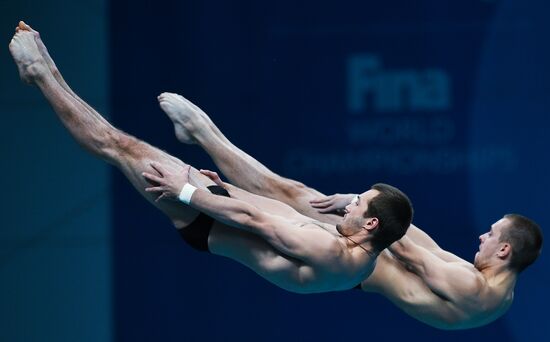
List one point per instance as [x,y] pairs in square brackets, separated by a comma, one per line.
[395,90]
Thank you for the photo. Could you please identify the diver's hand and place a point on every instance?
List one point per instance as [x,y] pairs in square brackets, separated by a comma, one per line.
[332,204]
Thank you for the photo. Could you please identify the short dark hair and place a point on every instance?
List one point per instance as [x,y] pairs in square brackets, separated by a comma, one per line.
[525,238]
[394,212]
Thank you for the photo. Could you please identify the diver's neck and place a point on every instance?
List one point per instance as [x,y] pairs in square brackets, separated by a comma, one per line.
[362,242]
[500,276]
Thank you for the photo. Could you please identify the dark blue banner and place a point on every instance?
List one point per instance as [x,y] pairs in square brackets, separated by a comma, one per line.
[447,101]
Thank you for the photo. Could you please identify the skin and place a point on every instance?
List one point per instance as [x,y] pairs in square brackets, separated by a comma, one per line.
[430,284]
[324,252]
[451,293]
[288,249]
[417,275]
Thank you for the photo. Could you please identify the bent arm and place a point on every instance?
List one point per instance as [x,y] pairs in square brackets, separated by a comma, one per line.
[449,280]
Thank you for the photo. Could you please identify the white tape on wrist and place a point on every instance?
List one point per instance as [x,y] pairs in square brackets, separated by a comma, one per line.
[186,193]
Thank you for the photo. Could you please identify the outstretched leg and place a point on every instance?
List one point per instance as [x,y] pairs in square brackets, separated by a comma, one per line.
[133,157]
[92,131]
[193,126]
[53,67]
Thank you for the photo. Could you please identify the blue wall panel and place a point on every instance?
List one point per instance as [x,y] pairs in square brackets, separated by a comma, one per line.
[338,96]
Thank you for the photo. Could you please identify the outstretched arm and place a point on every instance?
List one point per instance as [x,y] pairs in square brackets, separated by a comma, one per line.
[421,238]
[449,280]
[337,202]
[306,245]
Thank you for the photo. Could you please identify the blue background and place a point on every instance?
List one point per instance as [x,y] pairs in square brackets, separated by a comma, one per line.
[453,109]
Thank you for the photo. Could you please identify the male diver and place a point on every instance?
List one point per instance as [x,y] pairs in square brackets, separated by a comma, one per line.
[427,282]
[290,250]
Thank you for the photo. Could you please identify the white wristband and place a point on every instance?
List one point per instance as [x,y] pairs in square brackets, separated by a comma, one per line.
[186,193]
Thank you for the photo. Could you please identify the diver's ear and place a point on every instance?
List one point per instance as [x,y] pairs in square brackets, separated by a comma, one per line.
[371,223]
[504,251]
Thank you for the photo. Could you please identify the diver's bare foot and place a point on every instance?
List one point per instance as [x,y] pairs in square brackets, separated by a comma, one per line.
[25,53]
[41,47]
[187,118]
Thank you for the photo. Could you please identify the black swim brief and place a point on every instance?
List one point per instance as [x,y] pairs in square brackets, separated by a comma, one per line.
[196,234]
